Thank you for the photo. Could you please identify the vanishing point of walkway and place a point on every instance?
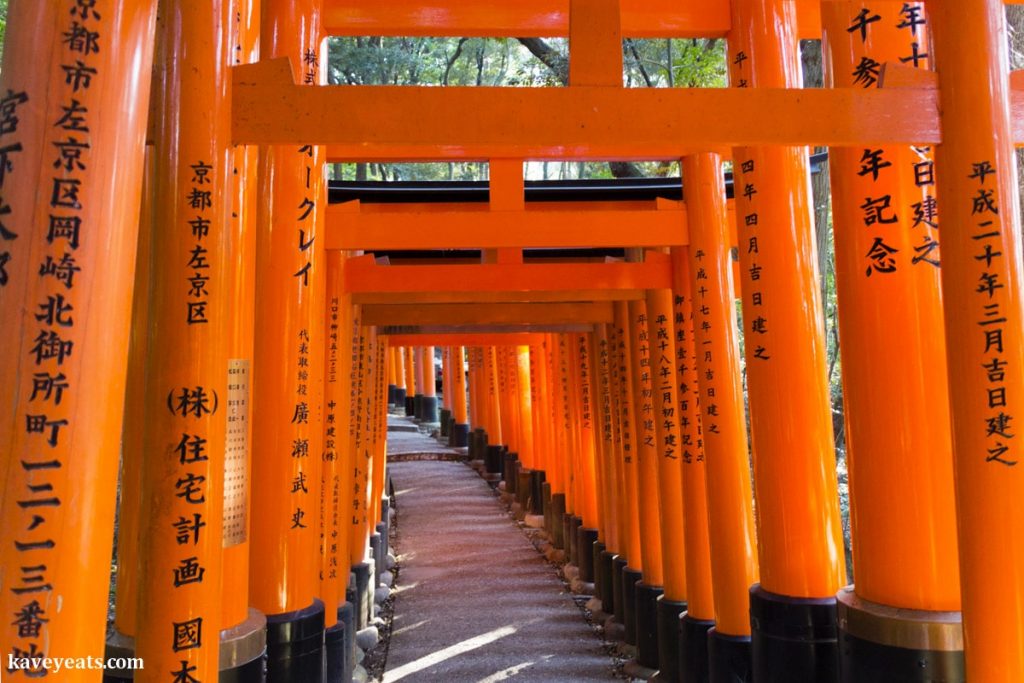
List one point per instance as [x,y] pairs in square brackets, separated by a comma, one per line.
[475,601]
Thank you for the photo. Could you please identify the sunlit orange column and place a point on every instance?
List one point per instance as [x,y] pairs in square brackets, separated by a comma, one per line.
[70,182]
[400,377]
[585,453]
[632,570]
[650,588]
[799,531]
[411,379]
[288,369]
[429,410]
[459,435]
[539,397]
[189,388]
[981,281]
[494,398]
[700,607]
[362,440]
[670,453]
[624,525]
[555,473]
[570,515]
[610,542]
[902,506]
[521,358]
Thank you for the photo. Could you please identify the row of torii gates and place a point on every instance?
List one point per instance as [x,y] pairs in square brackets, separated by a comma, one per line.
[243,393]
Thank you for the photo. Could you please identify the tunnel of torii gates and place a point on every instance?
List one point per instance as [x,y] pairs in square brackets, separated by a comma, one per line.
[189,321]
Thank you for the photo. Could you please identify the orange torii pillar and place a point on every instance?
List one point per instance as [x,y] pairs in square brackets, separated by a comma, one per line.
[428,410]
[723,428]
[410,381]
[566,446]
[525,464]
[629,571]
[458,434]
[981,282]
[477,418]
[539,426]
[494,453]
[337,473]
[625,525]
[67,250]
[650,585]
[902,503]
[288,369]
[665,397]
[376,525]
[700,608]
[446,391]
[392,374]
[400,378]
[800,541]
[554,510]
[361,439]
[585,429]
[607,547]
[509,403]
[188,383]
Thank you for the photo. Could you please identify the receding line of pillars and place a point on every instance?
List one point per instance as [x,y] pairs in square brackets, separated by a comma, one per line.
[180,299]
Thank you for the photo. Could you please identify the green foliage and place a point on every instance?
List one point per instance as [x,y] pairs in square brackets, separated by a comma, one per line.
[3,26]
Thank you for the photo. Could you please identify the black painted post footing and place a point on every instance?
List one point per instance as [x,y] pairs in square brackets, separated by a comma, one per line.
[618,566]
[375,552]
[334,654]
[410,406]
[243,651]
[575,524]
[524,488]
[347,616]
[882,644]
[391,394]
[537,497]
[669,612]
[417,407]
[295,645]
[596,550]
[604,576]
[585,540]
[459,435]
[399,397]
[693,648]
[557,520]
[729,658]
[567,537]
[364,594]
[546,507]
[508,471]
[793,640]
[446,416]
[647,624]
[630,577]
[494,459]
[429,409]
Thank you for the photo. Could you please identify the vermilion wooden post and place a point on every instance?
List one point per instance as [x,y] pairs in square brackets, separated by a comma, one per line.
[890,308]
[719,452]
[799,535]
[981,282]
[67,253]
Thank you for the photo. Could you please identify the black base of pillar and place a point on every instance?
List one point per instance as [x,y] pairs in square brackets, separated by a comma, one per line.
[669,612]
[347,616]
[630,577]
[729,658]
[567,537]
[595,560]
[557,520]
[399,397]
[793,640]
[575,524]
[647,624]
[392,389]
[336,667]
[585,540]
[446,416]
[478,444]
[524,486]
[295,645]
[494,459]
[545,495]
[251,672]
[693,649]
[410,406]
[605,580]
[382,560]
[618,566]
[459,436]
[428,410]
[537,481]
[375,554]
[364,594]
[508,471]
[881,644]
[243,651]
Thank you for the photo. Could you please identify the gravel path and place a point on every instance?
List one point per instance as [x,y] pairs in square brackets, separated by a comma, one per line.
[476,602]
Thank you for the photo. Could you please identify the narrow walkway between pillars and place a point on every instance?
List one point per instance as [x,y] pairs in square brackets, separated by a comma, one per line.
[475,601]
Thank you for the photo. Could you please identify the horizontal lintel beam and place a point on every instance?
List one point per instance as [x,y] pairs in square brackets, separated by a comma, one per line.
[362,276]
[466,339]
[487,314]
[478,297]
[385,123]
